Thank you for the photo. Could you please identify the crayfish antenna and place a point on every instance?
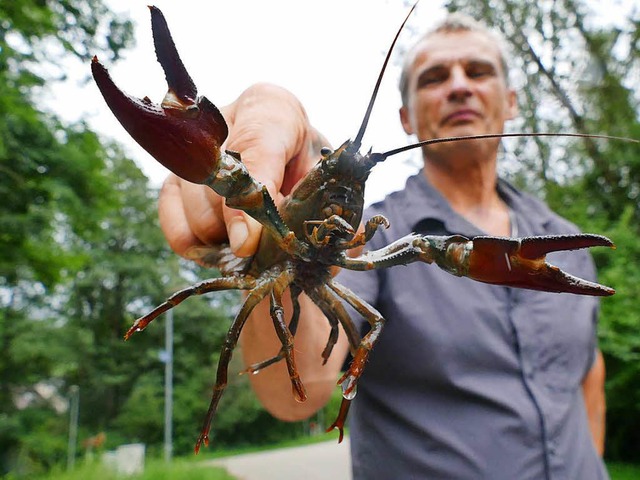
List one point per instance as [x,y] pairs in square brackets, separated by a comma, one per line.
[383,156]
[355,146]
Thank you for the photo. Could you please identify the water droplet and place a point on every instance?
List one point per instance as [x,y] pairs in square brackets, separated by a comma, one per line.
[346,385]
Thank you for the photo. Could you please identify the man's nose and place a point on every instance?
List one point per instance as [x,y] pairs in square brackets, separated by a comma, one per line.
[460,87]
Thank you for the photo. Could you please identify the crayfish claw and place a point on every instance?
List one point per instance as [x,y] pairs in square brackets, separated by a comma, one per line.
[520,262]
[185,132]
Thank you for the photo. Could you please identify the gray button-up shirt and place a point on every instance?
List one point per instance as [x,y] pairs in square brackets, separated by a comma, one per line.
[469,380]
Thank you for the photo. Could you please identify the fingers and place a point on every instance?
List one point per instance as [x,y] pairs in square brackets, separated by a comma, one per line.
[270,128]
[190,215]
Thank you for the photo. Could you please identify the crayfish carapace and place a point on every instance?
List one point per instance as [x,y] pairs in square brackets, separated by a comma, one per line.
[311,231]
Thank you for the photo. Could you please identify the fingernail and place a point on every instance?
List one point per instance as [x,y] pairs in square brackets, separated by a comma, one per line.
[238,233]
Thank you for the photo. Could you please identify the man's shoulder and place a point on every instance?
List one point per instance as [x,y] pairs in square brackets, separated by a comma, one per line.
[528,204]
[390,202]
[405,201]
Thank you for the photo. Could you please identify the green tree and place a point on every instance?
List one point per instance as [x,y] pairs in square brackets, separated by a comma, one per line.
[48,169]
[81,256]
[50,185]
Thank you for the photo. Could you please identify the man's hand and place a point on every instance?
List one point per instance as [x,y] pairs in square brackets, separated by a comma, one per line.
[270,129]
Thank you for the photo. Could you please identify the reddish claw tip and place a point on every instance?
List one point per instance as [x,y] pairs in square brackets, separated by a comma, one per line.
[137,326]
[298,392]
[341,419]
[333,426]
[203,438]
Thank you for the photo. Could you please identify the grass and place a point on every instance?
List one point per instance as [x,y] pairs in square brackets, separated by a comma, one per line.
[192,468]
[189,467]
[623,471]
[213,453]
[154,469]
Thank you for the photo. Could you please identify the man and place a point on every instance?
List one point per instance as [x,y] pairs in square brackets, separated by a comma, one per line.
[468,380]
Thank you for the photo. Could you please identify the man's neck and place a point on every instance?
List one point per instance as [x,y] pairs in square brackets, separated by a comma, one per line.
[470,189]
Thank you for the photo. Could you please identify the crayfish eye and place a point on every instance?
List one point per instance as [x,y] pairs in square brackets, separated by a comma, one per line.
[325,151]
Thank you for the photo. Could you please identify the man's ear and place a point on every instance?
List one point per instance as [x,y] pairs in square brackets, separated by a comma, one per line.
[512,104]
[405,120]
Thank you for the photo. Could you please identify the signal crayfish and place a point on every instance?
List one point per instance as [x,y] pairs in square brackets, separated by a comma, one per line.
[314,227]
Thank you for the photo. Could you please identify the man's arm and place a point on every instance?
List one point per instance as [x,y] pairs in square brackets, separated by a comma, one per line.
[594,398]
[272,385]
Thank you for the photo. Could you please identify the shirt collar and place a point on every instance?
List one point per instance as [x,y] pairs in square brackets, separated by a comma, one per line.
[422,202]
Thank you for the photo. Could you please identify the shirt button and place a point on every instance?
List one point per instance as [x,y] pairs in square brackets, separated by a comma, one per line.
[551,448]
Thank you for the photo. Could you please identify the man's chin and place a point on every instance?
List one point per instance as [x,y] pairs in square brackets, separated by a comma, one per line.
[462,130]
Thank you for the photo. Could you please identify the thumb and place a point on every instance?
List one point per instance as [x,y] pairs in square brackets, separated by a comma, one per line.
[269,127]
[243,231]
[266,164]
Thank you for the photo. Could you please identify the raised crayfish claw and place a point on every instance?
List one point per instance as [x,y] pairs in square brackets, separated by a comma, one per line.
[185,131]
[520,262]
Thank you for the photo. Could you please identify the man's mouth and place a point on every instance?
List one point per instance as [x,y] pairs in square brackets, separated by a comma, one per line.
[461,116]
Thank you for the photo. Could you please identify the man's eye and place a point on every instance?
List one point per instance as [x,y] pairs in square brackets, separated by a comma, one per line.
[479,71]
[431,79]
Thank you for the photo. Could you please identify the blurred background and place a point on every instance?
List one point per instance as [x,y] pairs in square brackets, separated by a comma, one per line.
[81,254]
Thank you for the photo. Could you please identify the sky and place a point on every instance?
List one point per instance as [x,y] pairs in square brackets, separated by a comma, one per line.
[327,53]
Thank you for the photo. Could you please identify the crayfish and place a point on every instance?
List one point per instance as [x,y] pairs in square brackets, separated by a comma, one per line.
[313,228]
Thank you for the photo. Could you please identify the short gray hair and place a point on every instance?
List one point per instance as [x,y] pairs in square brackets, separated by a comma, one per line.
[452,23]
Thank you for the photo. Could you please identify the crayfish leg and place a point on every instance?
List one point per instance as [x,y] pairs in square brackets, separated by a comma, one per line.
[284,334]
[335,312]
[254,297]
[370,228]
[293,327]
[206,286]
[349,381]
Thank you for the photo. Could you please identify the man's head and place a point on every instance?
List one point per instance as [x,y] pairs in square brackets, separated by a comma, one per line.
[454,82]
[454,22]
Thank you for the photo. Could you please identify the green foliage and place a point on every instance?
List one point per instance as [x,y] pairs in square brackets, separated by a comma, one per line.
[49,171]
[620,338]
[622,471]
[52,185]
[154,470]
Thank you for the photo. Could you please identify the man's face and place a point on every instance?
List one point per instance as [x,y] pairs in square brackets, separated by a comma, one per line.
[457,87]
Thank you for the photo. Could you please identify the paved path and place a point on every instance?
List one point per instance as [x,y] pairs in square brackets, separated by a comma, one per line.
[321,461]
